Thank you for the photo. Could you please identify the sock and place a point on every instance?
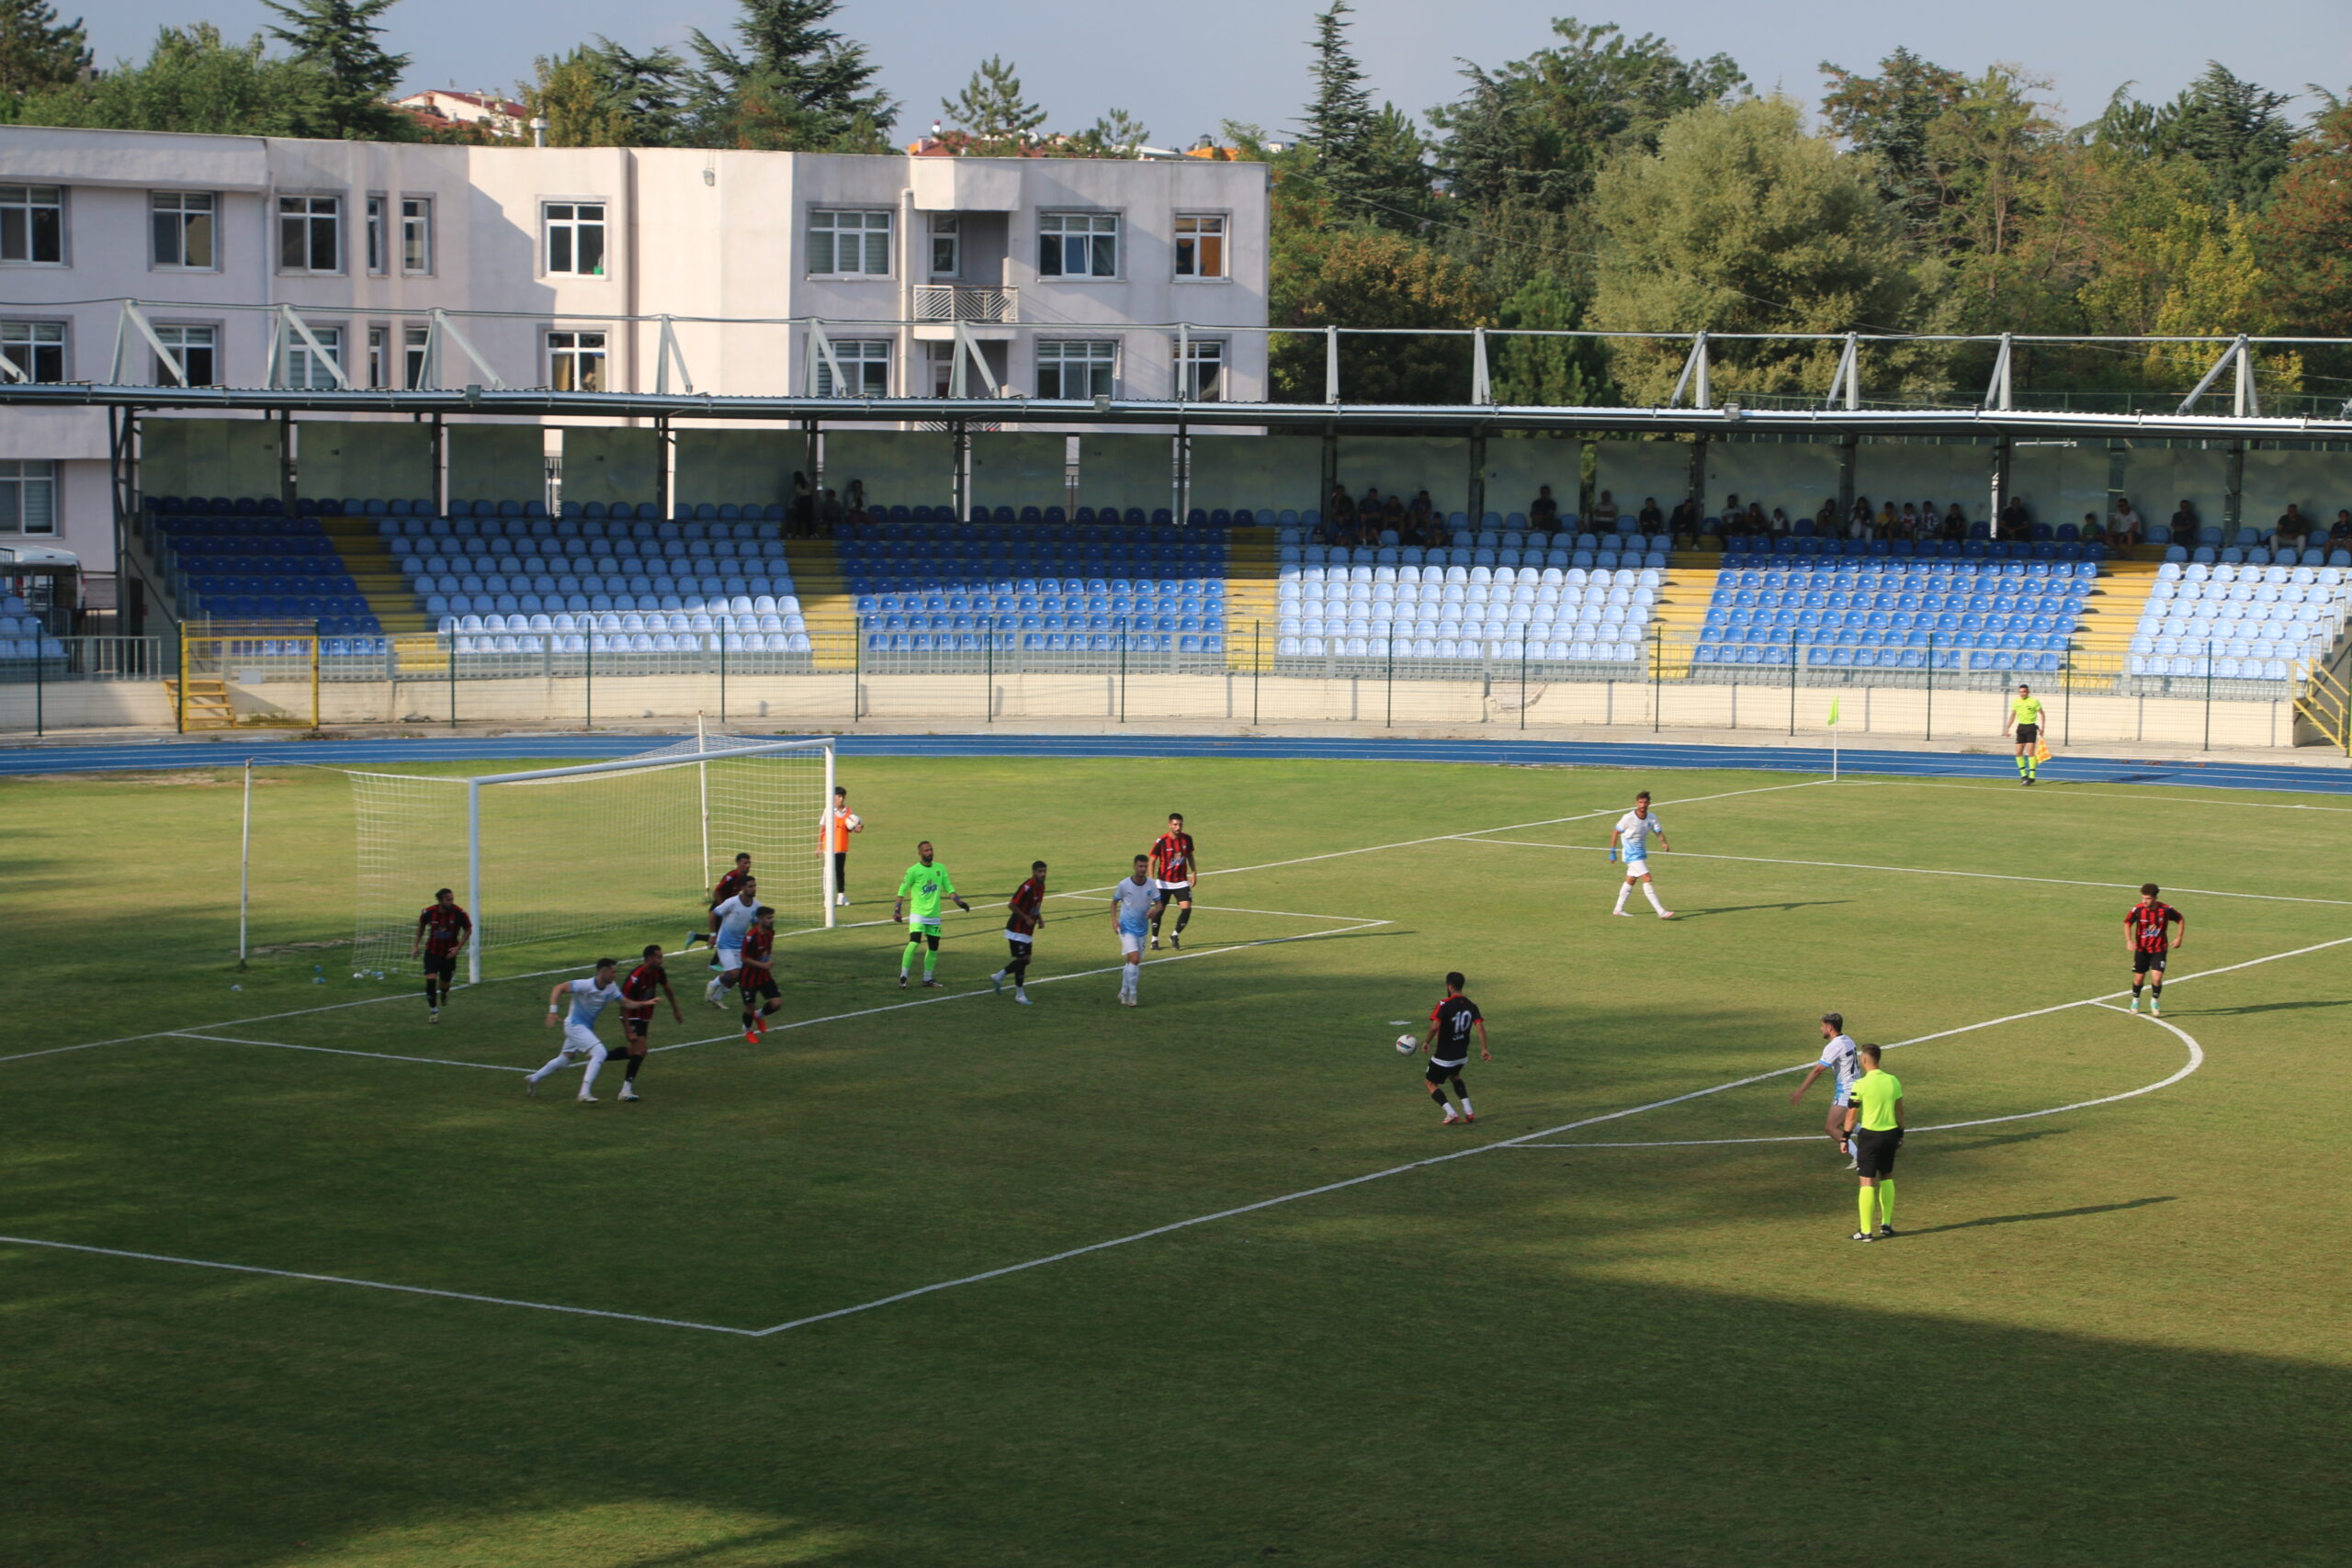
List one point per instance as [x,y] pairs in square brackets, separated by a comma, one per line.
[1886,1200]
[930,960]
[1650,892]
[2157,992]
[540,1077]
[1183,918]
[595,1060]
[749,1018]
[634,1062]
[432,995]
[1622,888]
[2031,762]
[906,959]
[1438,1094]
[1869,1201]
[2135,989]
[1465,1105]
[2020,765]
[1155,922]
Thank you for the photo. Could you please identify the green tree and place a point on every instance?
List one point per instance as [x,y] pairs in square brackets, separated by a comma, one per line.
[38,50]
[648,91]
[789,83]
[573,93]
[2231,126]
[1553,372]
[2305,234]
[191,81]
[993,111]
[1368,278]
[1741,222]
[339,37]
[1116,135]
[1540,129]
[1369,162]
[1891,116]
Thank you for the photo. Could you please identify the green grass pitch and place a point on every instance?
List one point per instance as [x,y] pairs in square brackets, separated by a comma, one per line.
[2114,1334]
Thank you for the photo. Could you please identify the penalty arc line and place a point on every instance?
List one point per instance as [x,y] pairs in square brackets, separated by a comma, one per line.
[1481,1148]
[1909,870]
[2195,1060]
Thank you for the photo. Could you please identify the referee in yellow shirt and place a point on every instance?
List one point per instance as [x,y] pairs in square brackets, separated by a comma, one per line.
[1875,1130]
[2025,716]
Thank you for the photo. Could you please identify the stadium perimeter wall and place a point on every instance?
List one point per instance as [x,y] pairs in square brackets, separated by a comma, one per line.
[841,702]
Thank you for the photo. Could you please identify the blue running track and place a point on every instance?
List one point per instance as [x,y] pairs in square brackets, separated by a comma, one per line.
[2334,781]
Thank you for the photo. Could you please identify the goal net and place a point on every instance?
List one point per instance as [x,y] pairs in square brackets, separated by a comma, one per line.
[632,846]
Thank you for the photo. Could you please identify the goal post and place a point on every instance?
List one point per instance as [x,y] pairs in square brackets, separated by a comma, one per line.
[553,853]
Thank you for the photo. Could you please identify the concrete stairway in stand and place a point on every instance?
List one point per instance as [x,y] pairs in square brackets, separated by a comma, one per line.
[826,604]
[1251,571]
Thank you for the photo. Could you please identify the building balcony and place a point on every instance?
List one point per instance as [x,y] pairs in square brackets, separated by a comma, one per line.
[955,302]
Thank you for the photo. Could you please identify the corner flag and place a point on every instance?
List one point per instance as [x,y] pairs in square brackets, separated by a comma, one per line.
[1832,713]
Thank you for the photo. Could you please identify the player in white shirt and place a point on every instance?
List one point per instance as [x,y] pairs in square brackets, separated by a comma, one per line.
[728,921]
[1131,903]
[1632,837]
[588,1000]
[1840,1055]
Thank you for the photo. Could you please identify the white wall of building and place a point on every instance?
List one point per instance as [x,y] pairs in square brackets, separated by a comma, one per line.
[687,233]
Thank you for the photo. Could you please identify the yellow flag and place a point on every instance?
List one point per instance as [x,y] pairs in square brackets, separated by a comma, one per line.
[1832,713]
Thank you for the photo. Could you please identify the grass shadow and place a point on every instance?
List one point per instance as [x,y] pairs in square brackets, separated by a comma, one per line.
[2048,1214]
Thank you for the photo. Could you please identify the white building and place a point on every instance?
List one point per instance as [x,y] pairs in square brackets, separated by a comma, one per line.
[1071,277]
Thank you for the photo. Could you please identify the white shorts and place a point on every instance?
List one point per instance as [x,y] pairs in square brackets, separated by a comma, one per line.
[1025,938]
[1637,865]
[1130,941]
[730,958]
[1178,890]
[580,1040]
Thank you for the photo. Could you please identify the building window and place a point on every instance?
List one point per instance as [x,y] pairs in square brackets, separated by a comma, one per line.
[576,362]
[198,350]
[376,236]
[575,238]
[28,498]
[1202,376]
[865,369]
[947,245]
[849,244]
[309,236]
[32,225]
[1200,246]
[417,233]
[184,222]
[35,349]
[312,372]
[1078,244]
[416,346]
[1067,368]
[378,367]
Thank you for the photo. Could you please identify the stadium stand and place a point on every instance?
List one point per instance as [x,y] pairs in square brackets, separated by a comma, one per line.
[22,636]
[244,559]
[2248,621]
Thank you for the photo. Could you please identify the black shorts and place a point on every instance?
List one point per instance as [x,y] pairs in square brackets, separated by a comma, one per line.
[2028,734]
[2144,962]
[441,966]
[764,989]
[1183,895]
[635,1026]
[1874,1152]
[1441,1071]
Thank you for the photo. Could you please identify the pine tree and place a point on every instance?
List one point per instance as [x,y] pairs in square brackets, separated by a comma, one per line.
[38,50]
[792,83]
[1368,160]
[992,110]
[339,37]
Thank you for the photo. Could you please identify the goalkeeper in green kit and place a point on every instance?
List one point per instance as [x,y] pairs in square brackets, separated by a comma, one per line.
[921,892]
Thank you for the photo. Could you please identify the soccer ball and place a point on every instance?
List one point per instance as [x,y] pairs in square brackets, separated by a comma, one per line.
[1407,1044]
[854,821]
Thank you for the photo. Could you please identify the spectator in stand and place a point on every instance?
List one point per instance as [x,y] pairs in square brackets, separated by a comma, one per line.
[856,512]
[1824,521]
[829,512]
[1780,523]
[856,499]
[1955,523]
[1734,515]
[1649,519]
[1418,518]
[1339,514]
[1543,511]
[1757,523]
[1604,513]
[1888,521]
[1907,526]
[2016,523]
[2091,529]
[2342,529]
[1683,523]
[2127,524]
[1392,516]
[2291,528]
[800,517]
[2184,524]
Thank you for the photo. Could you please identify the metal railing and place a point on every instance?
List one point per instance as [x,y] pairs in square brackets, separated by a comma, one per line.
[959,303]
[54,660]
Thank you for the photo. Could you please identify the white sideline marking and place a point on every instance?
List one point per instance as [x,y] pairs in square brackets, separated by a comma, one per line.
[333,1051]
[371,1284]
[1503,1144]
[2195,1060]
[1911,871]
[2169,797]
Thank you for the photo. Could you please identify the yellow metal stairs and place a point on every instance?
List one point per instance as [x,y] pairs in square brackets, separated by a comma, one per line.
[1250,570]
[826,604]
[205,705]
[1680,616]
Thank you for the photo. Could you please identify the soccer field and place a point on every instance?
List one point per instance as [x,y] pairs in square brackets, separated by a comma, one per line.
[928,1278]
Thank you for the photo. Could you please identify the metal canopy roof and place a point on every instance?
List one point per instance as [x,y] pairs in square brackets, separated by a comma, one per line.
[1288,418]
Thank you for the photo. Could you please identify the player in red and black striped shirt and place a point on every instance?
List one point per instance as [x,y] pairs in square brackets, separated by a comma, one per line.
[757,976]
[1028,907]
[1174,866]
[442,932]
[646,983]
[2147,936]
[731,884]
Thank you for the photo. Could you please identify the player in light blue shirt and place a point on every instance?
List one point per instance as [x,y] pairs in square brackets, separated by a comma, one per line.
[1841,1056]
[1632,837]
[728,921]
[588,1000]
[1131,903]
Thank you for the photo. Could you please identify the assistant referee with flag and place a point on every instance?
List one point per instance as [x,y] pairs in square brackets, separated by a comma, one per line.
[1875,1130]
